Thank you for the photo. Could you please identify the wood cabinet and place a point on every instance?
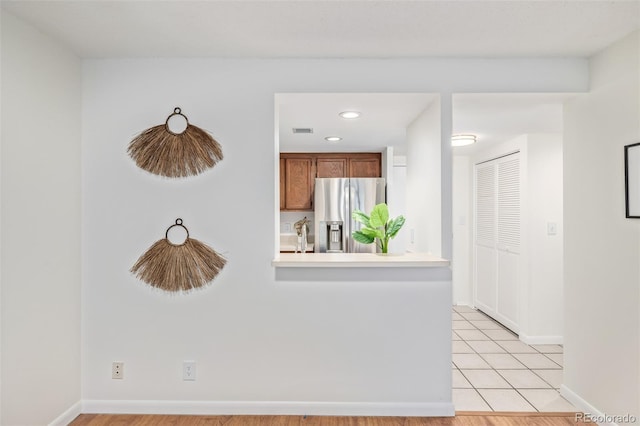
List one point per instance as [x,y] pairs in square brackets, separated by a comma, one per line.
[282,184]
[299,175]
[364,167]
[331,167]
[299,170]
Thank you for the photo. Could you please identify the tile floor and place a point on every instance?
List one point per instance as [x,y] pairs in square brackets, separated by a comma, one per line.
[494,371]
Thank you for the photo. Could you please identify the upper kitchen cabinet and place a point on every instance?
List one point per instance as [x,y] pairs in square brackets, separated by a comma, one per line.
[299,170]
[328,167]
[297,178]
[365,165]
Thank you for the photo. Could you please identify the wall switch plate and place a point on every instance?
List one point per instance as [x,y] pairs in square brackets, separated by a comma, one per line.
[189,370]
[117,370]
[552,228]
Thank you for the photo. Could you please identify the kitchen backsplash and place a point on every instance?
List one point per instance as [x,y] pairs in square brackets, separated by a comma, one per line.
[287,219]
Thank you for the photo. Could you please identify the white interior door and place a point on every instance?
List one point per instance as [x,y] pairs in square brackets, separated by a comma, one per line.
[508,245]
[497,238]
[485,237]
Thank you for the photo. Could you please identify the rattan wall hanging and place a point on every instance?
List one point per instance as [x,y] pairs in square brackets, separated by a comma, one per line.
[162,152]
[178,267]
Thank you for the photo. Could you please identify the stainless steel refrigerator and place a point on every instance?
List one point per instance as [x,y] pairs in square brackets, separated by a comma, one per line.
[335,200]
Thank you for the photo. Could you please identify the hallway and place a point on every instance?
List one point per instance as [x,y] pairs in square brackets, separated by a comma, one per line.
[494,371]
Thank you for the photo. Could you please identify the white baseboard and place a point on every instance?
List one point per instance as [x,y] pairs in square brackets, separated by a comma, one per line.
[541,340]
[585,407]
[444,409]
[67,417]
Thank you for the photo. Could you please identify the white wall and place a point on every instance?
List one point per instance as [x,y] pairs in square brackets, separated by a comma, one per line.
[544,194]
[602,248]
[253,337]
[397,201]
[424,182]
[462,226]
[40,226]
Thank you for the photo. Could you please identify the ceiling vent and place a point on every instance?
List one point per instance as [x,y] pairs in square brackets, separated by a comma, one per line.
[306,130]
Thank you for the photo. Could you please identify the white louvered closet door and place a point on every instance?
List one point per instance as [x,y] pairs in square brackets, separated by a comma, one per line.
[485,237]
[497,245]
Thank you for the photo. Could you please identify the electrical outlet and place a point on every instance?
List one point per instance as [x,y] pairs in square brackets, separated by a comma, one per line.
[188,370]
[117,370]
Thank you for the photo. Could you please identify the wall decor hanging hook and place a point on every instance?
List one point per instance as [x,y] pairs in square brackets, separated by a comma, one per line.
[179,224]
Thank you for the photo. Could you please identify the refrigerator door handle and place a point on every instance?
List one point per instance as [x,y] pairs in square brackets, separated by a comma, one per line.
[346,234]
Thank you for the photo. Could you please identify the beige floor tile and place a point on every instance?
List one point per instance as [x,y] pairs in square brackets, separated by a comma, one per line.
[472,335]
[485,347]
[548,349]
[473,361]
[500,334]
[461,347]
[557,358]
[457,317]
[485,379]
[536,361]
[523,379]
[504,361]
[464,308]
[553,377]
[547,400]
[474,316]
[462,325]
[506,400]
[454,336]
[517,347]
[469,400]
[486,325]
[459,381]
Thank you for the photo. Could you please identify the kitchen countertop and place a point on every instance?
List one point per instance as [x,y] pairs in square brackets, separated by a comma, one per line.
[288,242]
[292,247]
[357,260]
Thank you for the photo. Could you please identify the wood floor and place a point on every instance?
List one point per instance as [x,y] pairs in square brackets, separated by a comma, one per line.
[461,419]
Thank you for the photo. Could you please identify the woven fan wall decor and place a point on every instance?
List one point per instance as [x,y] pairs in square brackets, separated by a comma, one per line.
[178,267]
[163,152]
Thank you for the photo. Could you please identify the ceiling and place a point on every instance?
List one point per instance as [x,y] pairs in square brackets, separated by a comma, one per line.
[336,29]
[349,28]
[493,118]
[384,119]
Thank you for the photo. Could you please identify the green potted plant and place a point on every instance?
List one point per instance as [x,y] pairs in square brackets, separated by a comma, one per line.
[377,226]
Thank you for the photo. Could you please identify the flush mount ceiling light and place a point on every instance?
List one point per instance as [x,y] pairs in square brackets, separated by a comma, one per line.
[350,114]
[463,140]
[333,138]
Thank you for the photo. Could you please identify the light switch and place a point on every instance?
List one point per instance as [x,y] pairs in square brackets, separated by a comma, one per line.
[552,228]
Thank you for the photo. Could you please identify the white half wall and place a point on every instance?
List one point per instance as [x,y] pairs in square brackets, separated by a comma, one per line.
[40,225]
[602,247]
[424,181]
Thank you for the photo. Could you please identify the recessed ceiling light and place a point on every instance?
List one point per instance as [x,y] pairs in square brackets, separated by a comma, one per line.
[463,140]
[333,138]
[349,114]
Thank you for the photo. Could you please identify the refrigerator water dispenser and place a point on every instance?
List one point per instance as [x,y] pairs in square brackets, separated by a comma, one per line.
[331,237]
